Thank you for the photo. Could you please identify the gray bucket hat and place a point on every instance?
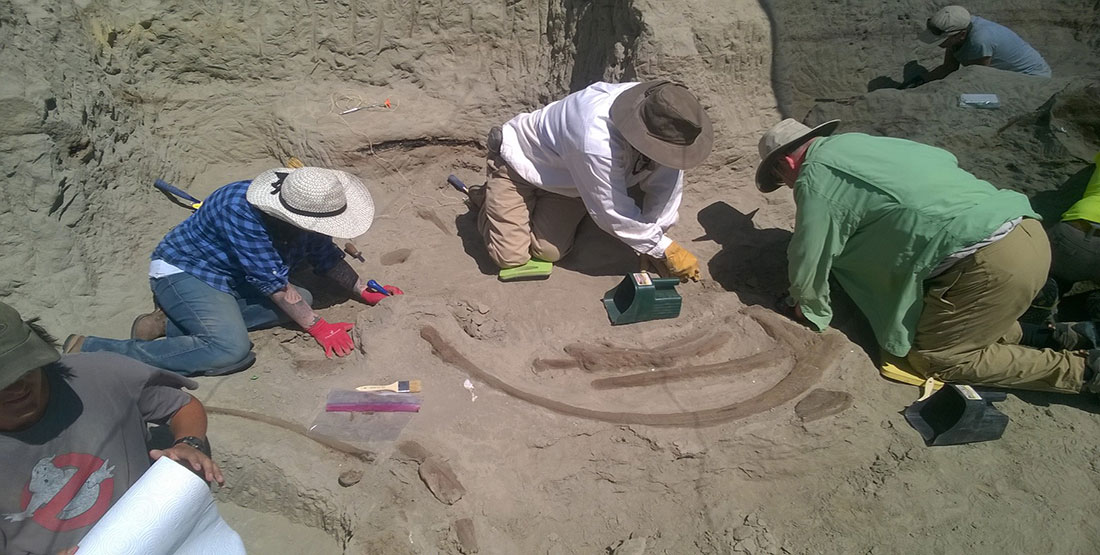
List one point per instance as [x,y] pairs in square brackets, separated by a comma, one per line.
[665,122]
[21,350]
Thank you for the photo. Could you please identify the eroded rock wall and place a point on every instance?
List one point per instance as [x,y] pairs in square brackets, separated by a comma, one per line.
[71,148]
[103,96]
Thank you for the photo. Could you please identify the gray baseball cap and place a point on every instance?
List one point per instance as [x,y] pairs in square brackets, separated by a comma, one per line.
[21,350]
[944,23]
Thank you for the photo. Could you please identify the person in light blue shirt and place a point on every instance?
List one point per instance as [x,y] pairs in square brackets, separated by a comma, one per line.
[971,40]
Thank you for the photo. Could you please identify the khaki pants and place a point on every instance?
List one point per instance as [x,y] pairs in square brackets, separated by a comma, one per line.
[968,332]
[519,220]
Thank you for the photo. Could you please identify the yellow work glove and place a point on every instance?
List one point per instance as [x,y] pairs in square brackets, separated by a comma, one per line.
[681,263]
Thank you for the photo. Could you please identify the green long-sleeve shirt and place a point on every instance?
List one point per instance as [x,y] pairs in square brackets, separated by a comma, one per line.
[881,214]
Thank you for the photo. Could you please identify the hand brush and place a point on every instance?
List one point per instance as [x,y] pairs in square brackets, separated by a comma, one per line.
[403,386]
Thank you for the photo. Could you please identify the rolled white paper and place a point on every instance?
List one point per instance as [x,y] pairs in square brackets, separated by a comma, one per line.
[168,511]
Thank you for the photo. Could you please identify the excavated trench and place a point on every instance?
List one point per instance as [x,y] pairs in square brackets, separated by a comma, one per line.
[277,513]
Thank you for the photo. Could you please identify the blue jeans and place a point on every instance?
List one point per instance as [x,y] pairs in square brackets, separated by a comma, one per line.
[207,330]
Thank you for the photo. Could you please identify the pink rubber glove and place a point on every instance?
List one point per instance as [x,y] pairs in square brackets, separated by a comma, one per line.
[372,297]
[333,337]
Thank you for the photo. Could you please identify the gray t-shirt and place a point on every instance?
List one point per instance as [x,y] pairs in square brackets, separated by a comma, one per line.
[1007,50]
[61,474]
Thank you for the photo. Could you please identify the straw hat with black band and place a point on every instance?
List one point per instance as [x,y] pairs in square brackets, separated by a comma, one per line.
[780,140]
[329,202]
[665,122]
[21,350]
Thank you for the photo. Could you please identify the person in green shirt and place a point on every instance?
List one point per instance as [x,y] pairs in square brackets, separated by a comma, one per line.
[940,262]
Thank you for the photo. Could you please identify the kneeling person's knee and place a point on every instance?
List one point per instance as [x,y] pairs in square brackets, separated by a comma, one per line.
[227,352]
[547,251]
[507,258]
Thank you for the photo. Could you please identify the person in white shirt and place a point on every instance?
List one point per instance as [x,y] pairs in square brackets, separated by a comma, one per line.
[580,155]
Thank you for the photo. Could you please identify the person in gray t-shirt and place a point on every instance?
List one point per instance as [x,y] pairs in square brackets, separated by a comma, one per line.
[971,40]
[73,435]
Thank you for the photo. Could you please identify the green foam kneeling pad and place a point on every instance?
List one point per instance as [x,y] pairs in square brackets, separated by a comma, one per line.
[533,269]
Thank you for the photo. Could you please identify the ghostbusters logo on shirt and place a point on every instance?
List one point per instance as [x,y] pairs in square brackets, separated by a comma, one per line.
[66,492]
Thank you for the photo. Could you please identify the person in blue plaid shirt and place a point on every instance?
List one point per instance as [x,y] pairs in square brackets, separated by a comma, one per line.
[225,270]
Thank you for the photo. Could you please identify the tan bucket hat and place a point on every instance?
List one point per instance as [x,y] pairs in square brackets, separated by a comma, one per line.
[665,122]
[329,202]
[782,138]
[944,23]
[21,350]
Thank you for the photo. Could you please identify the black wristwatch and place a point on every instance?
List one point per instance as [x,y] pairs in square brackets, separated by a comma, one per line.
[199,443]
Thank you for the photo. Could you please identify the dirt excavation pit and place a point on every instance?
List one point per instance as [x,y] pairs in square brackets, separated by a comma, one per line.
[276,505]
[543,429]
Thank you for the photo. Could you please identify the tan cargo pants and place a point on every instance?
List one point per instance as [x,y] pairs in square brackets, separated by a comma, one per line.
[519,220]
[968,331]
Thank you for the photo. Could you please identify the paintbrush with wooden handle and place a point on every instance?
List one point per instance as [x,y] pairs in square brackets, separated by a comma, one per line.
[403,386]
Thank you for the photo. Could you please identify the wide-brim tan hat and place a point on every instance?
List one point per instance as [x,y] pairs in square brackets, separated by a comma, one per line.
[665,122]
[782,138]
[329,202]
[944,23]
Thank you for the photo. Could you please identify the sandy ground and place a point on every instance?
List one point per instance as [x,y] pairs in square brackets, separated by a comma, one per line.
[789,442]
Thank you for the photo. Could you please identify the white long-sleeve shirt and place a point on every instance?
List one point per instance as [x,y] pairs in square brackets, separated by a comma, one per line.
[571,148]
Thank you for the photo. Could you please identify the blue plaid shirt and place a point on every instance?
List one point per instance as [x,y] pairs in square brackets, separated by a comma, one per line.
[225,244]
